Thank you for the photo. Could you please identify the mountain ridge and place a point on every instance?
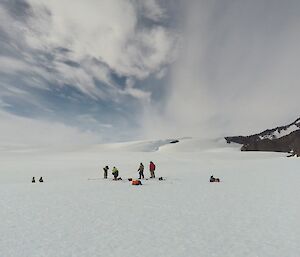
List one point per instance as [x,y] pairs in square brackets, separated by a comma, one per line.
[280,139]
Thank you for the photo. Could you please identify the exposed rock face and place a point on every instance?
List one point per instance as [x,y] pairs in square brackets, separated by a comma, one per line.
[280,139]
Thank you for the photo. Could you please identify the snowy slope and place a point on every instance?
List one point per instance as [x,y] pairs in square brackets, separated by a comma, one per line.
[254,211]
[135,146]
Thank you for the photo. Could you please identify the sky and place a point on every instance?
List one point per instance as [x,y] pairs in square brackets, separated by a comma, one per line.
[82,72]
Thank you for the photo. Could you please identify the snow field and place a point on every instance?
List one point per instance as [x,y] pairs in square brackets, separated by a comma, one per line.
[253,212]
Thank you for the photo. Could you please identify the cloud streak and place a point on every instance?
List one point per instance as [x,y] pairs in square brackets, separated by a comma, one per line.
[237,71]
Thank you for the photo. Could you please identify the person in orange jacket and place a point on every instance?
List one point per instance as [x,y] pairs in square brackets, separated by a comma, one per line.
[152,169]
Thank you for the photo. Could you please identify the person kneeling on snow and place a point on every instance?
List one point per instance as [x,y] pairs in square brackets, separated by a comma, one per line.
[213,179]
[115,173]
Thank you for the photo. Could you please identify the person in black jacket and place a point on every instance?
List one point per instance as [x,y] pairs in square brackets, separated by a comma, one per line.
[105,169]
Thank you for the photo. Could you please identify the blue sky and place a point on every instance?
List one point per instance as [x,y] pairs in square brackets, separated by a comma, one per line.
[116,70]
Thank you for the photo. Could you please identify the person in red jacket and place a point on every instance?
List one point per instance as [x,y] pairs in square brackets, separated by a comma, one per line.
[152,169]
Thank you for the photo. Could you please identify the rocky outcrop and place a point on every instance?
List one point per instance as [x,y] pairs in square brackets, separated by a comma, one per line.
[280,139]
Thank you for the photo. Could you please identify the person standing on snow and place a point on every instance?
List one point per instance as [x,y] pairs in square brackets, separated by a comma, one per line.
[152,169]
[115,173]
[141,171]
[105,169]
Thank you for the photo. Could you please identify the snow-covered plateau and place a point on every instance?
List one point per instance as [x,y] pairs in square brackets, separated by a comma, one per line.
[253,212]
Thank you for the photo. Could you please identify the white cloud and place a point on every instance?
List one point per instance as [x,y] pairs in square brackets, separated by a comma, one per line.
[79,78]
[152,10]
[107,30]
[130,89]
[16,132]
[102,37]
[9,65]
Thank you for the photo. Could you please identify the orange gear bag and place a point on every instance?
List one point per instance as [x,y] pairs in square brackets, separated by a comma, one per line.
[136,182]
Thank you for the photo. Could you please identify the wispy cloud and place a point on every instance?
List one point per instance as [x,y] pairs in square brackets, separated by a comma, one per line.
[67,58]
[108,32]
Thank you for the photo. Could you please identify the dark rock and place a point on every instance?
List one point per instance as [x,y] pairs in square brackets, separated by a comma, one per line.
[267,141]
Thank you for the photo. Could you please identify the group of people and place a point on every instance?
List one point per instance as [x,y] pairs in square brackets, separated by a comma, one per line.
[213,179]
[115,171]
[152,168]
[40,180]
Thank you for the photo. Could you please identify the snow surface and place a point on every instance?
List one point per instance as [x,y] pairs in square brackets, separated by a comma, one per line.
[253,212]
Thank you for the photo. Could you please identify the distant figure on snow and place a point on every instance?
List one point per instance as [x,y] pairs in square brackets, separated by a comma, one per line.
[152,169]
[33,180]
[141,171]
[115,173]
[41,179]
[105,169]
[213,179]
